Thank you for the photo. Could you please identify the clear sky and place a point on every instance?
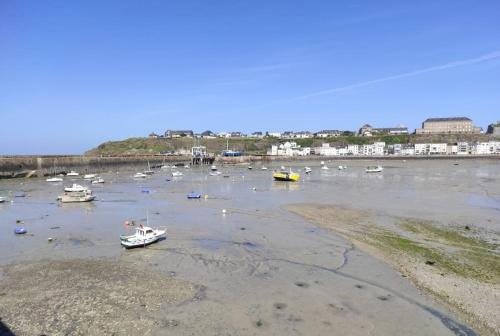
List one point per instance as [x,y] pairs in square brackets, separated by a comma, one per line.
[74,74]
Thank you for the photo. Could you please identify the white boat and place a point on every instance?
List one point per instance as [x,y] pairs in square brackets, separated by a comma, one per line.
[76,197]
[322,163]
[263,168]
[72,173]
[98,180]
[165,167]
[213,168]
[75,194]
[186,166]
[140,175]
[325,168]
[54,179]
[308,170]
[89,176]
[250,167]
[215,173]
[341,167]
[374,169]
[2,199]
[144,235]
[176,174]
[282,168]
[76,188]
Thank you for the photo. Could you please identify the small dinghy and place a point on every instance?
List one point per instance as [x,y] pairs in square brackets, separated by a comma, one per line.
[2,199]
[89,176]
[215,173]
[72,173]
[374,169]
[20,230]
[250,167]
[325,168]
[193,196]
[140,175]
[176,174]
[54,179]
[98,180]
[263,168]
[144,235]
[308,170]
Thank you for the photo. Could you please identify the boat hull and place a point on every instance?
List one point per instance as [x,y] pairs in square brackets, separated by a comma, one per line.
[132,242]
[289,177]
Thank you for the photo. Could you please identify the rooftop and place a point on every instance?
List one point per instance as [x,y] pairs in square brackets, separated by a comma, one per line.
[447,119]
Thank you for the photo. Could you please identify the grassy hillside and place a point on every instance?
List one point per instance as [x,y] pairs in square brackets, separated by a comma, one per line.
[260,146]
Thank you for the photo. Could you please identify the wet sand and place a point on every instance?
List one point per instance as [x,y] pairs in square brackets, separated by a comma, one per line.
[257,270]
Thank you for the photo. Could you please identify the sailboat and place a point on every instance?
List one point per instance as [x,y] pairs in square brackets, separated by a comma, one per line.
[149,171]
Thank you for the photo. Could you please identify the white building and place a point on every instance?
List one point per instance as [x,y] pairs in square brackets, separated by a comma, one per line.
[353,149]
[438,149]
[486,148]
[289,149]
[463,148]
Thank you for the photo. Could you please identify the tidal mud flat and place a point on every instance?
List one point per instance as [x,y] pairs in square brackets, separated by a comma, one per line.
[256,269]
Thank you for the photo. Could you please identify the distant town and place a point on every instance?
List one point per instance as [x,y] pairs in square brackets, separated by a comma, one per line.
[286,146]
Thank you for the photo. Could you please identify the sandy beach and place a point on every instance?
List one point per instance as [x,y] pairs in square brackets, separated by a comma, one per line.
[339,252]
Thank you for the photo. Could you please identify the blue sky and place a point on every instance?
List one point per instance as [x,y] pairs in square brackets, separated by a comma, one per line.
[74,74]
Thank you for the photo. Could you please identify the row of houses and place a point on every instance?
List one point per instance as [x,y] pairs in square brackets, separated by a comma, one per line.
[282,135]
[453,125]
[380,149]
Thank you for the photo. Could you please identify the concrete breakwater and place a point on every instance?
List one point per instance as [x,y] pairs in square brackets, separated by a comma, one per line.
[31,166]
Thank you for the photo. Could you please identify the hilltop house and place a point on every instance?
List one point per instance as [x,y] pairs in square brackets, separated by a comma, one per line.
[368,130]
[327,133]
[179,134]
[208,135]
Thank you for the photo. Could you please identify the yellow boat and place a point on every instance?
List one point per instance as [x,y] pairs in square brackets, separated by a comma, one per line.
[286,176]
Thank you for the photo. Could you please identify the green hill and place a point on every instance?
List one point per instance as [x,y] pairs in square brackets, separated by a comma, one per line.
[141,146]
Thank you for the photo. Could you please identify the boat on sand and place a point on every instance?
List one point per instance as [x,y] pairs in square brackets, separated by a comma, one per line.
[144,235]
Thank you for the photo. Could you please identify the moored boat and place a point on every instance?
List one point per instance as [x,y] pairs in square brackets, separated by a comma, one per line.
[89,176]
[308,170]
[325,168]
[215,173]
[72,173]
[374,169]
[144,235]
[98,180]
[54,179]
[286,176]
[140,175]
[2,199]
[176,174]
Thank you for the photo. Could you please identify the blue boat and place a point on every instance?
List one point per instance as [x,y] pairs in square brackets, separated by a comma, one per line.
[193,196]
[20,230]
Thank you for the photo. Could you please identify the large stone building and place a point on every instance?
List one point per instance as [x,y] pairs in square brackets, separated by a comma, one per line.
[447,126]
